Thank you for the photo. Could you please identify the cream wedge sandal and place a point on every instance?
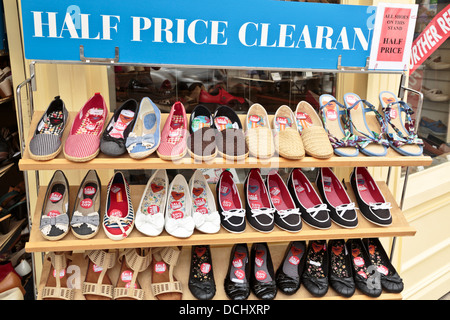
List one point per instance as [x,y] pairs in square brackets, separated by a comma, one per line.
[56,284]
[164,285]
[100,262]
[127,287]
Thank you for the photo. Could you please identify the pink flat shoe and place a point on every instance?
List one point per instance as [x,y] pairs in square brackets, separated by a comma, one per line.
[174,134]
[83,143]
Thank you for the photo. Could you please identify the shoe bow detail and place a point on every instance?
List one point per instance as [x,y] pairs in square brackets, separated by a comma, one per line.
[240,213]
[200,218]
[313,211]
[267,211]
[343,208]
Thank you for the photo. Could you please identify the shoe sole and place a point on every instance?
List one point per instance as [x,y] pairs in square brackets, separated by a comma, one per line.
[172,158]
[46,157]
[85,159]
[202,158]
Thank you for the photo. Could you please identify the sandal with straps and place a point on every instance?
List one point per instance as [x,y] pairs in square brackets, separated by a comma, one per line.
[400,132]
[369,126]
[128,287]
[342,140]
[164,284]
[97,285]
[56,286]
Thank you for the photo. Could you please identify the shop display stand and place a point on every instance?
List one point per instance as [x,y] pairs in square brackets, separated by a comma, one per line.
[37,243]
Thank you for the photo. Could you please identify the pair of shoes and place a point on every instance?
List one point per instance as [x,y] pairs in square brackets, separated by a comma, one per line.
[46,142]
[253,272]
[178,207]
[262,209]
[314,137]
[201,275]
[219,133]
[328,266]
[83,142]
[349,127]
[174,134]
[371,202]
[270,203]
[372,271]
[134,129]
[85,220]
[390,279]
[98,285]
[427,125]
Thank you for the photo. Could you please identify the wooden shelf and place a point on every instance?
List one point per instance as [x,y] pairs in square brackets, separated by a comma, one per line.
[124,162]
[220,258]
[399,227]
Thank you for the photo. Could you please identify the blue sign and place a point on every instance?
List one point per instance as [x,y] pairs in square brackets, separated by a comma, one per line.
[232,33]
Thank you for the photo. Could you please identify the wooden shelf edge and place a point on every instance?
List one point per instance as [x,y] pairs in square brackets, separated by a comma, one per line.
[365,229]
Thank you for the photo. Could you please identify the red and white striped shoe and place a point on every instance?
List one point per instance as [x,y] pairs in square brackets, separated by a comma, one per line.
[118,221]
[83,142]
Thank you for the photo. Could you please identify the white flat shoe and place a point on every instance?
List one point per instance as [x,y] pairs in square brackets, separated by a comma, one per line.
[178,221]
[204,211]
[150,214]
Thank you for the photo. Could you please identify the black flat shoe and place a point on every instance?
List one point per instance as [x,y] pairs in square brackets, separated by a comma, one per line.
[342,209]
[259,211]
[341,276]
[237,284]
[390,279]
[313,211]
[291,268]
[315,276]
[370,200]
[262,279]
[366,279]
[201,277]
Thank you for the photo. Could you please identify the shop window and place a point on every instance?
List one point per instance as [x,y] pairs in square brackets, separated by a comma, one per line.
[432,78]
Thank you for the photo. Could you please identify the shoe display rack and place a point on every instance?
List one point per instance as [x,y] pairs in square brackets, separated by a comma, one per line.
[222,241]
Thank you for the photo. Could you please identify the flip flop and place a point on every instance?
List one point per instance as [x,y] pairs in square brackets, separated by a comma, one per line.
[335,121]
[367,126]
[400,129]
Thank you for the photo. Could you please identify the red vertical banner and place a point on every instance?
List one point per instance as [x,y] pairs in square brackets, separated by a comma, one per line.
[393,34]
[435,34]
